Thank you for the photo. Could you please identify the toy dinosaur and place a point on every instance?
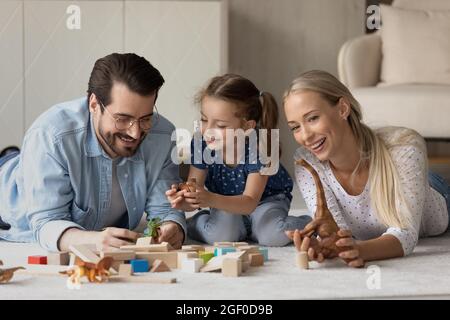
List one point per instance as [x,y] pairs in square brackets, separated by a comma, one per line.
[189,186]
[323,223]
[94,272]
[153,228]
[7,274]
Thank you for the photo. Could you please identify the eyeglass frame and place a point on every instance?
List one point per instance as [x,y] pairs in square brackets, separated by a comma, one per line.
[133,121]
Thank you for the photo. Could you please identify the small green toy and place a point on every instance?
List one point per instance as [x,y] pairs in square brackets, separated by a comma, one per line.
[152,228]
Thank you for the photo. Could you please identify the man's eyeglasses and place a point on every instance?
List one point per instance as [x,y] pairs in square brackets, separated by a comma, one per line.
[124,123]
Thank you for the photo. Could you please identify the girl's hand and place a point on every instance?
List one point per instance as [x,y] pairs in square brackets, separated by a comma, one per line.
[199,199]
[175,198]
[351,255]
[306,244]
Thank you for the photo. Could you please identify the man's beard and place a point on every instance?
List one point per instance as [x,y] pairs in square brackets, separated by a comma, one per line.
[112,141]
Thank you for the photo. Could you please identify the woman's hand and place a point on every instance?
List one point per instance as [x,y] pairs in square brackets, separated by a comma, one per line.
[307,244]
[350,251]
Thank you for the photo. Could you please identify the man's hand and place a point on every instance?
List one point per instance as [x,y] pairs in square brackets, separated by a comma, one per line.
[172,233]
[115,238]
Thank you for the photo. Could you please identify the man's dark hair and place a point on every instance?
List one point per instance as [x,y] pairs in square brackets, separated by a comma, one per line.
[127,68]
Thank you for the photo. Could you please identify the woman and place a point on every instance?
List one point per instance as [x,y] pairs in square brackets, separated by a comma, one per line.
[377,183]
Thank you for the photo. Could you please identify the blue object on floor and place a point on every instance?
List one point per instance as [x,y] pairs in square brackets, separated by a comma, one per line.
[220,251]
[139,265]
[265,253]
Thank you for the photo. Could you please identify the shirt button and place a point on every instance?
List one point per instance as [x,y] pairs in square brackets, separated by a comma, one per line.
[134,209]
[125,175]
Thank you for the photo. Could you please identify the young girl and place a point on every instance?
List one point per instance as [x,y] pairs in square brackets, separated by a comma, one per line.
[243,202]
[376,183]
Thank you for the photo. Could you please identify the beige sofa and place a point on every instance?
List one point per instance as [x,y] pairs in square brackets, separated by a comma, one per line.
[423,107]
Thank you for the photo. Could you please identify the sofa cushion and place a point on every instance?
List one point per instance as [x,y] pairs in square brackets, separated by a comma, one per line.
[424,108]
[415,46]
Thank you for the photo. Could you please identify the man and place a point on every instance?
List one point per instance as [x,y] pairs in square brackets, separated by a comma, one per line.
[89,168]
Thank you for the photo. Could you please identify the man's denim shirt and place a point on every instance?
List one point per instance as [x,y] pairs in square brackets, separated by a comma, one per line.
[62,178]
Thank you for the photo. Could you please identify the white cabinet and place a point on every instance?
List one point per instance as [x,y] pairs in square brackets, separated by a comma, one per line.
[44,61]
[58,57]
[11,73]
[186,41]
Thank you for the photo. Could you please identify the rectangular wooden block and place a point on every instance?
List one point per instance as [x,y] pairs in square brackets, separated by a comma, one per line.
[84,253]
[119,255]
[256,259]
[185,255]
[144,241]
[223,244]
[210,249]
[37,259]
[170,258]
[231,267]
[58,258]
[249,249]
[139,265]
[192,265]
[161,247]
[193,247]
[265,253]
[220,251]
[245,265]
[240,244]
[125,269]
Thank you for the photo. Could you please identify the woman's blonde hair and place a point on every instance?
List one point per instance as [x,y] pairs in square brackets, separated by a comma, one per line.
[385,187]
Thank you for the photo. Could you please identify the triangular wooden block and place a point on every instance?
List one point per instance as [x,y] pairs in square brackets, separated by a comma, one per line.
[159,266]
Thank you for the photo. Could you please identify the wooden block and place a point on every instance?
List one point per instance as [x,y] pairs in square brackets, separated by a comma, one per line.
[139,265]
[119,255]
[245,265]
[240,244]
[206,256]
[249,249]
[220,251]
[192,265]
[159,266]
[125,269]
[185,255]
[301,259]
[142,278]
[265,253]
[210,249]
[170,258]
[58,258]
[161,247]
[144,241]
[37,259]
[116,265]
[231,267]
[193,247]
[256,259]
[84,253]
[223,244]
[73,259]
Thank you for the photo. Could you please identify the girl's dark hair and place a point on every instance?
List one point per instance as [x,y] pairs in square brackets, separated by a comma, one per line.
[127,68]
[250,102]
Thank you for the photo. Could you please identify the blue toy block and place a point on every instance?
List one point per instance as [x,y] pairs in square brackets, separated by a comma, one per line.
[139,265]
[265,253]
[220,251]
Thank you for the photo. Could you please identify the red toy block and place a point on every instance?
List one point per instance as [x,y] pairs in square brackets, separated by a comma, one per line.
[37,259]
